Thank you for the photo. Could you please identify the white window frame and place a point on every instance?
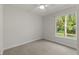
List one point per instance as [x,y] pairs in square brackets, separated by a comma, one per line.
[65,26]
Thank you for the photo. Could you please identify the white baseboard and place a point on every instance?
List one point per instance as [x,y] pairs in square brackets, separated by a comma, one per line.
[21,44]
[58,42]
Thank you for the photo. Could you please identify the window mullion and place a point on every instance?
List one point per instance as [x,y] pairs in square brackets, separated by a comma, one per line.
[65,27]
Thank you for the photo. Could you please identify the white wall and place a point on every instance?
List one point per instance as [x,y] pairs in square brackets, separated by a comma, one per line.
[20,27]
[49,28]
[78,28]
[1,28]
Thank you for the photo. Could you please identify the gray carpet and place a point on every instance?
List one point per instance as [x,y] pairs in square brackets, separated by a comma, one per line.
[40,47]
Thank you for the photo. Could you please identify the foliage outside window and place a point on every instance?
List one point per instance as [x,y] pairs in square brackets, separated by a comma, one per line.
[66,26]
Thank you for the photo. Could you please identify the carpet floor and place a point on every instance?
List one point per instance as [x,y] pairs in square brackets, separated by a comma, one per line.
[41,47]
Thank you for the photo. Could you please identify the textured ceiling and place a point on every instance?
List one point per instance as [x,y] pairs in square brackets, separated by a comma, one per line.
[50,9]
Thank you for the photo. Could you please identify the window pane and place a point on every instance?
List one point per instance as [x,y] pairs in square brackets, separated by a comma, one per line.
[60,26]
[71,26]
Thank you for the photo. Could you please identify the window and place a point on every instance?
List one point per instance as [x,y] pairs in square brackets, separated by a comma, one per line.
[66,26]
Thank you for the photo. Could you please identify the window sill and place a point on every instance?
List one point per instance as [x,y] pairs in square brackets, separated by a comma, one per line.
[67,37]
